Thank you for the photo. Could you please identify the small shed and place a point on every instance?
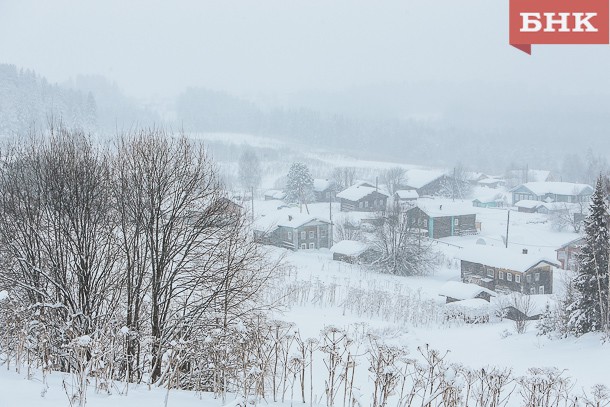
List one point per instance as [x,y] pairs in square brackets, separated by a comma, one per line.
[349,251]
[528,206]
[458,291]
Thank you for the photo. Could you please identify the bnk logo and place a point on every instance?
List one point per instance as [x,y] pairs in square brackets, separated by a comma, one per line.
[558,22]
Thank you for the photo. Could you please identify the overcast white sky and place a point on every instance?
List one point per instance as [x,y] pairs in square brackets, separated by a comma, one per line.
[280,48]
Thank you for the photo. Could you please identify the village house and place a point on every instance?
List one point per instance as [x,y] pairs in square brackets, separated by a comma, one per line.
[491,183]
[406,198]
[552,192]
[528,206]
[425,182]
[443,220]
[349,251]
[324,190]
[568,252]
[362,197]
[504,270]
[294,231]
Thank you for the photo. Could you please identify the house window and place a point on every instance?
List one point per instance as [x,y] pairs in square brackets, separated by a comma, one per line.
[366,204]
[311,234]
[517,278]
[490,272]
[289,235]
[456,222]
[500,275]
[541,289]
[312,246]
[303,245]
[361,204]
[537,277]
[328,194]
[509,277]
[528,278]
[303,235]
[323,233]
[533,290]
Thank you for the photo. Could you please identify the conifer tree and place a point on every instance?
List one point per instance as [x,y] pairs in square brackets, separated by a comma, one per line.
[589,309]
[299,186]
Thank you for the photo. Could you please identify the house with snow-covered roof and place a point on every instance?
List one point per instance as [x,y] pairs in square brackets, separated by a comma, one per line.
[552,192]
[294,231]
[349,251]
[363,197]
[505,269]
[425,182]
[324,190]
[442,219]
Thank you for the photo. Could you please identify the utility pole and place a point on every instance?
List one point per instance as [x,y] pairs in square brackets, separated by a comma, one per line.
[252,200]
[507,224]
[330,213]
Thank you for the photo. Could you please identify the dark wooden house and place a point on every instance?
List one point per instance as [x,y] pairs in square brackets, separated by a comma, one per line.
[349,251]
[324,190]
[425,182]
[294,232]
[362,197]
[442,220]
[505,270]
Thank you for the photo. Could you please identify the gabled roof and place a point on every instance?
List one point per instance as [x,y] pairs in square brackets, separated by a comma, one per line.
[320,185]
[417,178]
[298,220]
[504,258]
[349,247]
[555,188]
[357,192]
[528,204]
[275,194]
[574,242]
[407,194]
[463,291]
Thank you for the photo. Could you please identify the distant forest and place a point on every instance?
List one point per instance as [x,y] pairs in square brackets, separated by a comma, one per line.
[95,104]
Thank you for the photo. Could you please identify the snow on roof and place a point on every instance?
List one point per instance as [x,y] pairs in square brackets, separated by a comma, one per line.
[557,188]
[320,185]
[437,209]
[505,258]
[487,181]
[528,204]
[298,220]
[275,194]
[288,217]
[471,303]
[417,178]
[407,194]
[357,192]
[349,247]
[574,242]
[463,291]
